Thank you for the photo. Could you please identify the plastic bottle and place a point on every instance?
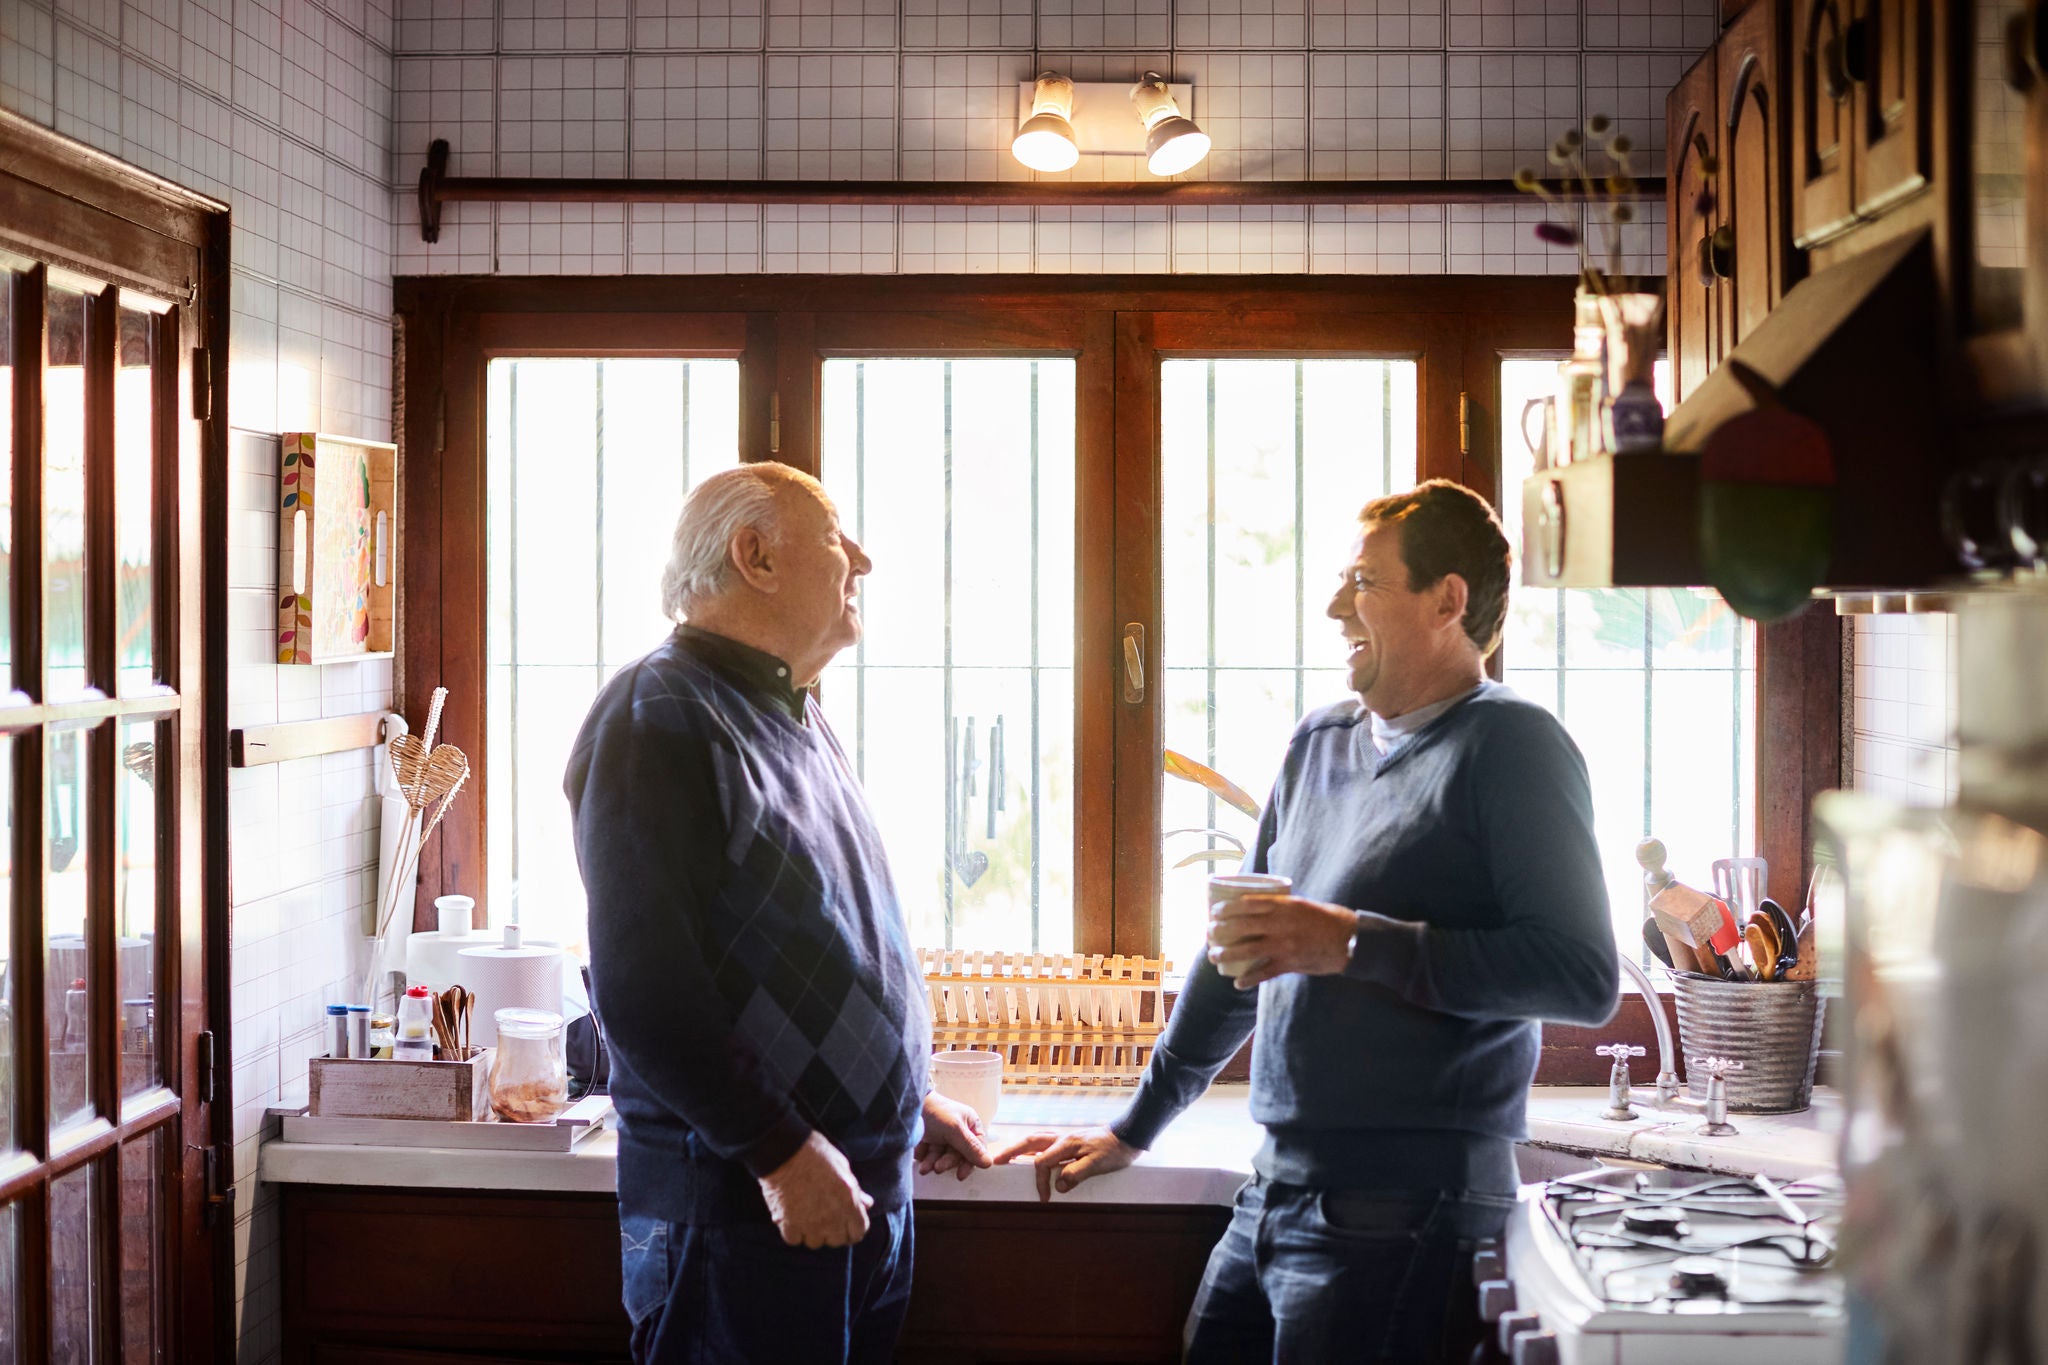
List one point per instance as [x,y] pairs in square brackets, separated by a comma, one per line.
[414,1039]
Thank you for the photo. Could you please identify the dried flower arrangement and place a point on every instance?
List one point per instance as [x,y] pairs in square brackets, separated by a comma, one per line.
[1612,194]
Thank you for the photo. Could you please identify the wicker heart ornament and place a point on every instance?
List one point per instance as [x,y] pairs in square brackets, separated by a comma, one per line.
[429,776]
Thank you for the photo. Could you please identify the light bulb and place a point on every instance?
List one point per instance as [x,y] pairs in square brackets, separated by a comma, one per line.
[1045,142]
[1172,141]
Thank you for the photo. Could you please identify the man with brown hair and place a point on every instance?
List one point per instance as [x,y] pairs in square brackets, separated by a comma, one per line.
[1439,833]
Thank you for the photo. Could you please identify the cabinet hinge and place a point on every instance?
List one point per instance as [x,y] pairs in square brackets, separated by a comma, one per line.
[207,1064]
[775,423]
[202,385]
[1464,422]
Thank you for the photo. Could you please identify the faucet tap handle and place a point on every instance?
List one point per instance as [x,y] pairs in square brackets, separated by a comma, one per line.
[1618,1107]
[1716,1105]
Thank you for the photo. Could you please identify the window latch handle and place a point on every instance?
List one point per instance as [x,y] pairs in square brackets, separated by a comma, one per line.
[1134,663]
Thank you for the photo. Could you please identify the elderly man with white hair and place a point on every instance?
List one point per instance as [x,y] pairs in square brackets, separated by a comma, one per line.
[749,958]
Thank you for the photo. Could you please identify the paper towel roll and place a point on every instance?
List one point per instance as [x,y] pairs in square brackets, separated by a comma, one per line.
[501,976]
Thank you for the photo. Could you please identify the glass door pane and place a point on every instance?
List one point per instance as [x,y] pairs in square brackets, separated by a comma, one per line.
[75,1234]
[135,443]
[957,707]
[589,462]
[67,978]
[11,277]
[10,1284]
[1656,685]
[1265,465]
[138,898]
[145,1216]
[64,432]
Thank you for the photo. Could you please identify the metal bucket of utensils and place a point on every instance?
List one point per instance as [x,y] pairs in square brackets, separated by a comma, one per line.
[1771,1027]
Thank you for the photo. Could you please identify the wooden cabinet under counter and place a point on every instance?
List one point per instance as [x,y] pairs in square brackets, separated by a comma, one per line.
[442,1277]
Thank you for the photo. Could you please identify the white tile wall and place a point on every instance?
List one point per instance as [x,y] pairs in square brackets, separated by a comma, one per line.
[1904,708]
[284,109]
[925,90]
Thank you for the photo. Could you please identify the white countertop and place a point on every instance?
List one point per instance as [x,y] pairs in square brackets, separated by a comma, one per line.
[1201,1159]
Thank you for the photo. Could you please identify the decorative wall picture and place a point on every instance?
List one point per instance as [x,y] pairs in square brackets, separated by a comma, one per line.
[336,558]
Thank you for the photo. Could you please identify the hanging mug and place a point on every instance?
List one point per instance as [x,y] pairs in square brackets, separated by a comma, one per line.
[1543,439]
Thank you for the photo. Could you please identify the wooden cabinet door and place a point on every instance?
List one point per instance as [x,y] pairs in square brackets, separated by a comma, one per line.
[1888,60]
[1823,120]
[1694,213]
[1753,178]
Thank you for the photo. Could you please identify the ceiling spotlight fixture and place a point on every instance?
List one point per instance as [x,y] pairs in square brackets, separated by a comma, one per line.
[1172,141]
[1045,141]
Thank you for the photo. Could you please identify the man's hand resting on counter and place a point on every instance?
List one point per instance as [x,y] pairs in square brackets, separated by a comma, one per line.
[952,1138]
[814,1199]
[1064,1160]
[1256,938]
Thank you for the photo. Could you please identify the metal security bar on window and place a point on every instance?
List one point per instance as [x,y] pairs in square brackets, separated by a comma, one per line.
[1265,465]
[958,477]
[589,463]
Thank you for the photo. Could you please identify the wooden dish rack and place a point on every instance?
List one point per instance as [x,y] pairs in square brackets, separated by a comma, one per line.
[1058,1019]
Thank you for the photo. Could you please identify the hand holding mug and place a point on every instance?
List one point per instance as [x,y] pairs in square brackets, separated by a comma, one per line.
[1257,931]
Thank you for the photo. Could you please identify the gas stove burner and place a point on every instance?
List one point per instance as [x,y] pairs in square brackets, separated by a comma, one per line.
[1668,1224]
[1697,1277]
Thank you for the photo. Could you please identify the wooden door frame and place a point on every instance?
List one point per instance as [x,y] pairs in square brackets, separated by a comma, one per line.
[781,328]
[72,206]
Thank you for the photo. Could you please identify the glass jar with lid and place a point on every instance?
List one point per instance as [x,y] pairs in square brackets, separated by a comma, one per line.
[530,1068]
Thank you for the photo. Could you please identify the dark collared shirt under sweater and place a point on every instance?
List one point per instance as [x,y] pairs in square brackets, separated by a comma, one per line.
[749,956]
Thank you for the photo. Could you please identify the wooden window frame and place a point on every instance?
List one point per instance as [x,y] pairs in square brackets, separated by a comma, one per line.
[782,329]
[73,208]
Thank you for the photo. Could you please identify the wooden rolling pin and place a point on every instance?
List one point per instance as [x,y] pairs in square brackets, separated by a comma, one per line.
[1697,928]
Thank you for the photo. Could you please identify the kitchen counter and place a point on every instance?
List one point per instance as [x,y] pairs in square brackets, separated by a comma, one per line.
[1201,1160]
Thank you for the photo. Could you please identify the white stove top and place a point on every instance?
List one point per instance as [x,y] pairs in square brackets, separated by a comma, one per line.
[1667,1266]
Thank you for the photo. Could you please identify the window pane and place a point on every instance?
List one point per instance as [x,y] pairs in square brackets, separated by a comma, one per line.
[75,1234]
[134,492]
[1656,686]
[66,990]
[1264,466]
[10,1284]
[957,707]
[64,493]
[143,1227]
[589,463]
[136,903]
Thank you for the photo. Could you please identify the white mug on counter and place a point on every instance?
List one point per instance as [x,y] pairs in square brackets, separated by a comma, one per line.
[1226,887]
[974,1079]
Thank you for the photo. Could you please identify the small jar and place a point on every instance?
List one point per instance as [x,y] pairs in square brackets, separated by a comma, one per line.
[530,1068]
[414,1039]
[383,1029]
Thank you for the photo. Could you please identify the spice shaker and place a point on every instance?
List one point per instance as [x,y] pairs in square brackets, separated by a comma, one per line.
[413,1041]
[530,1068]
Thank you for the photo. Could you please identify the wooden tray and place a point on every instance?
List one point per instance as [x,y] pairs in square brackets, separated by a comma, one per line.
[366,1088]
[588,1115]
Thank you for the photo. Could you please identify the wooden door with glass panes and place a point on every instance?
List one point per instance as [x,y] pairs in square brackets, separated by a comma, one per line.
[108,1129]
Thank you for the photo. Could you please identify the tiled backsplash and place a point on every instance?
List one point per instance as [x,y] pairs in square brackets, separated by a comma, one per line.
[1904,708]
[926,90]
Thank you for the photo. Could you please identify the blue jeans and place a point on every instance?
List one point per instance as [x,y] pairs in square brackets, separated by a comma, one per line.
[730,1294]
[1306,1276]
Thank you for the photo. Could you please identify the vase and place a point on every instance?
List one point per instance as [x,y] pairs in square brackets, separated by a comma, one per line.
[1633,327]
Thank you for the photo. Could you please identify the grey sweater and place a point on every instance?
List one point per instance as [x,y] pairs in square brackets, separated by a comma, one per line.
[1468,854]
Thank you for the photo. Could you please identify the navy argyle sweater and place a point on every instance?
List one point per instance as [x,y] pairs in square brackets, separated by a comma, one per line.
[749,959]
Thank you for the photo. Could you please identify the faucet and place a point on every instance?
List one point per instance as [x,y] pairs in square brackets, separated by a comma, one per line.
[1667,1074]
[1714,1107]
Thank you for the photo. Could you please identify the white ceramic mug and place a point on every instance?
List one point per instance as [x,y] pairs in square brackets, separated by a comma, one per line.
[974,1079]
[1225,887]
